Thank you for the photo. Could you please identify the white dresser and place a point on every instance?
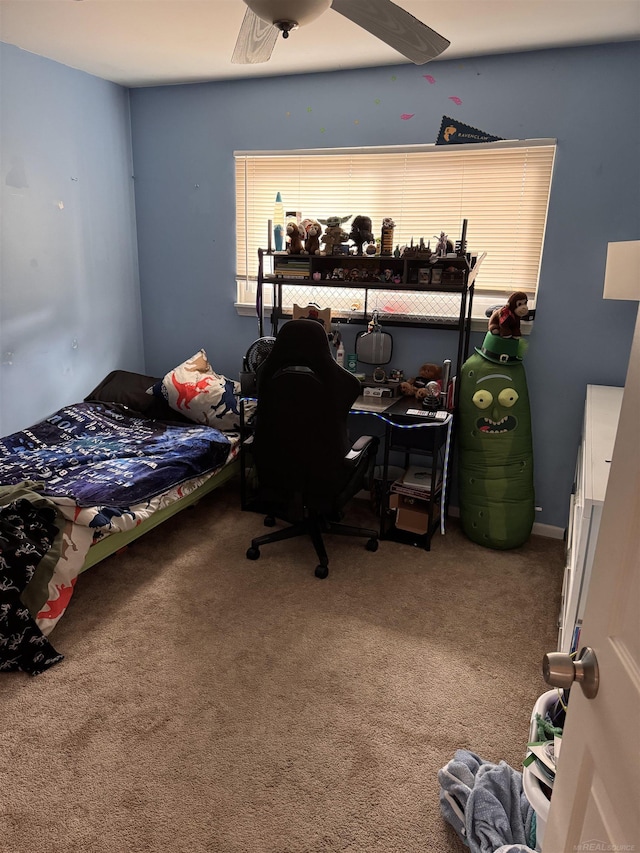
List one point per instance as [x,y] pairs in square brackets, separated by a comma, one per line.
[601,414]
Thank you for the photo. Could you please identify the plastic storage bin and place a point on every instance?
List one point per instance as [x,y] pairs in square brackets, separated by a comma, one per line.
[533,787]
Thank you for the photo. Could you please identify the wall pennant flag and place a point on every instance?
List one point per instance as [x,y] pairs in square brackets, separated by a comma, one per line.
[454,132]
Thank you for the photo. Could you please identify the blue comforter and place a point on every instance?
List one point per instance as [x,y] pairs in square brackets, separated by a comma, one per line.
[97,453]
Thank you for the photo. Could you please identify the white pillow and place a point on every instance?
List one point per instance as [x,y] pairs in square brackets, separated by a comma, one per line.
[195,390]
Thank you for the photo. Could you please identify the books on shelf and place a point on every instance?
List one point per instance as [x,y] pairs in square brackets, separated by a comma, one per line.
[416,482]
[291,267]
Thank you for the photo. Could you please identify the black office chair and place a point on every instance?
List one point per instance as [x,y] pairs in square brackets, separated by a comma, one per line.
[306,468]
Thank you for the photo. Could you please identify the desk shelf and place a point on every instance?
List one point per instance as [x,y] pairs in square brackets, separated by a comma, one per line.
[416,438]
[413,519]
[446,291]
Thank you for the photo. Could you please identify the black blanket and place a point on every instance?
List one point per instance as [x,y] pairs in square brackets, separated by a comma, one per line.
[27,532]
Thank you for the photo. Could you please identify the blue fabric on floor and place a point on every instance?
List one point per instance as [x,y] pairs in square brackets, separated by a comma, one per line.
[457,779]
[485,803]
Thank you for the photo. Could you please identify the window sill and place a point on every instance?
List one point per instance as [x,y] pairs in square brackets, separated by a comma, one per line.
[478,321]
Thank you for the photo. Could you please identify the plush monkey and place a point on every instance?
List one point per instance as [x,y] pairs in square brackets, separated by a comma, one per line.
[295,234]
[428,382]
[313,231]
[505,321]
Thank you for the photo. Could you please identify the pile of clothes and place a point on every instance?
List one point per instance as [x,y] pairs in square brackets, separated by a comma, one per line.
[486,805]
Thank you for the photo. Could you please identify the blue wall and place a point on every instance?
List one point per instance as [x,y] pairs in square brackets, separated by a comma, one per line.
[71,274]
[69,292]
[587,98]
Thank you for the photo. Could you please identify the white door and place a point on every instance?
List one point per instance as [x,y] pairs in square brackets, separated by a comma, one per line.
[596,795]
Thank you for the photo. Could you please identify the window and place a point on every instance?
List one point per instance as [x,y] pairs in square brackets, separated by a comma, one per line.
[500,188]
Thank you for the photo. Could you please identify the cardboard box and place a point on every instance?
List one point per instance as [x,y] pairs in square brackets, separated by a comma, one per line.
[412,514]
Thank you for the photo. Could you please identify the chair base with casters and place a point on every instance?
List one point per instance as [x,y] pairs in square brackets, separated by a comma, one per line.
[314,526]
[314,523]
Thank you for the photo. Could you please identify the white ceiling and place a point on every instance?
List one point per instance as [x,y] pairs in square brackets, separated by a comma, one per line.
[152,42]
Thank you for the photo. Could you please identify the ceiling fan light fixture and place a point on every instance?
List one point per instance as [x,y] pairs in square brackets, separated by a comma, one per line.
[286,14]
[285,27]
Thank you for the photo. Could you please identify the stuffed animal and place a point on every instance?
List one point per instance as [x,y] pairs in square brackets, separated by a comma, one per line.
[505,321]
[333,233]
[295,238]
[495,447]
[313,231]
[361,232]
[428,382]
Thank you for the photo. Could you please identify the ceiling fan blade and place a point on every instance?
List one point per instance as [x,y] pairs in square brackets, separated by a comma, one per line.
[255,42]
[394,26]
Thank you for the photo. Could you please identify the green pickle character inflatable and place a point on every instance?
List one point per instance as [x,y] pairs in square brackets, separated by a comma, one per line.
[495,461]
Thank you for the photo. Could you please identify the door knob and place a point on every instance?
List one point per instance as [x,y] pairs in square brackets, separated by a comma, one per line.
[560,670]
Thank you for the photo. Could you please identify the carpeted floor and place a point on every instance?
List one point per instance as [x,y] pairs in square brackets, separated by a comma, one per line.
[210,703]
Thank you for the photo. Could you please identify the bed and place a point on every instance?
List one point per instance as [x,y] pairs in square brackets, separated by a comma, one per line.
[94,476]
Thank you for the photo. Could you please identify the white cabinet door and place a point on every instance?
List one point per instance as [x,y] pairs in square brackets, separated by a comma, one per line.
[601,413]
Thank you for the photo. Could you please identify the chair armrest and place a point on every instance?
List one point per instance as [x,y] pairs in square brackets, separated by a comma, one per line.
[361,446]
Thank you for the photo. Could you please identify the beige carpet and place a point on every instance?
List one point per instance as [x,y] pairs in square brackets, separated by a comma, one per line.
[209,703]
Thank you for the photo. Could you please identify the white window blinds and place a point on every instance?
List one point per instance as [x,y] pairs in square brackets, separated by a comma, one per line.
[501,189]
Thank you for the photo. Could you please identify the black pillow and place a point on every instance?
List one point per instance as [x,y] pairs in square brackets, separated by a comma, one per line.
[130,389]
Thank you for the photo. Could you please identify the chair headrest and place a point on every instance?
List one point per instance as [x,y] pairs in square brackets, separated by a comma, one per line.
[300,342]
[304,343]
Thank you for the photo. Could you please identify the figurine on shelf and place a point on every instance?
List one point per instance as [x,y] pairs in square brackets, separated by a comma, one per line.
[386,241]
[505,321]
[424,252]
[361,232]
[313,231]
[295,238]
[442,246]
[333,233]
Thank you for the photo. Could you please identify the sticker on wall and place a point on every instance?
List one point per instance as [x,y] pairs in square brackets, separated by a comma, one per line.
[429,78]
[407,116]
[455,99]
[454,132]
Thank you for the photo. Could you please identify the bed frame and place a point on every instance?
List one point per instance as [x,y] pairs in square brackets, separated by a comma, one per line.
[118,541]
[130,389]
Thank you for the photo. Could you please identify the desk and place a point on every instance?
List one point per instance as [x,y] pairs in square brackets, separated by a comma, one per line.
[409,434]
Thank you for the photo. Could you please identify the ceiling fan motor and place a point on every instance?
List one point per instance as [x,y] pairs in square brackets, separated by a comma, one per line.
[286,15]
